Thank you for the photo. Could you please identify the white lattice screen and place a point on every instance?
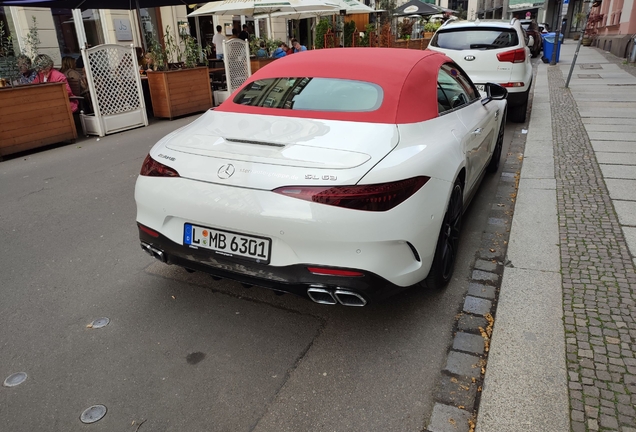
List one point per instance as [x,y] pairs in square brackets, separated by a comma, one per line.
[112,73]
[237,62]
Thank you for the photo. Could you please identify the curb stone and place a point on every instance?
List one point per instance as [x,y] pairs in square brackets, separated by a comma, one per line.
[459,390]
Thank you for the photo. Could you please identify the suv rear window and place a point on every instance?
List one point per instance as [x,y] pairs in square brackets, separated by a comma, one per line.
[475,38]
[312,94]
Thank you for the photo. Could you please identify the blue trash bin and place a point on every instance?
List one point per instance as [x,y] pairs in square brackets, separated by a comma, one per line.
[548,45]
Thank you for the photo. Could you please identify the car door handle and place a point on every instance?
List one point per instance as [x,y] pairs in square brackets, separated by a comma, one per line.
[477,131]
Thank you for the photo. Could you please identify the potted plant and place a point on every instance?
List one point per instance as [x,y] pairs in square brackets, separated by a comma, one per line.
[430,28]
[8,64]
[322,28]
[182,87]
[579,19]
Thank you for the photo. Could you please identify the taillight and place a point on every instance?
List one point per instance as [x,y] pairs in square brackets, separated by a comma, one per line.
[323,271]
[375,197]
[512,84]
[148,231]
[514,56]
[152,168]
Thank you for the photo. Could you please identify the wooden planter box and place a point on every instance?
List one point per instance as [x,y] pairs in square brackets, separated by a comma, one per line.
[419,44]
[180,92]
[257,63]
[33,116]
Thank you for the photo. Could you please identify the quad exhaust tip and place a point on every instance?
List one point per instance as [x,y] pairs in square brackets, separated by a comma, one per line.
[321,295]
[153,252]
[349,298]
[344,297]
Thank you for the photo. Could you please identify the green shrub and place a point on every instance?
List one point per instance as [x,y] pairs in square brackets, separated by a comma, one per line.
[349,29]
[321,29]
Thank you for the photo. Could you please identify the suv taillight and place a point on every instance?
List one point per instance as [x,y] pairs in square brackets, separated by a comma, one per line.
[374,197]
[152,168]
[514,56]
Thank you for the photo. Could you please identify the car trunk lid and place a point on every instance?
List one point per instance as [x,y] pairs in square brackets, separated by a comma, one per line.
[272,151]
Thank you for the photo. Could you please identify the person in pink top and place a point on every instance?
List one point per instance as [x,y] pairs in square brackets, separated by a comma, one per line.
[46,73]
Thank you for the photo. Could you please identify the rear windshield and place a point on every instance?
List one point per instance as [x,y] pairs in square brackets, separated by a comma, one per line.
[483,38]
[313,94]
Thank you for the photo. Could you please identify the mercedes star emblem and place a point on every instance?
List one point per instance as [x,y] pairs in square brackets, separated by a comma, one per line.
[226,171]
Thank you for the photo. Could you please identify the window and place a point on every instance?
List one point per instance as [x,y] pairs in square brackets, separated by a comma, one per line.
[476,38]
[67,34]
[454,90]
[151,25]
[312,94]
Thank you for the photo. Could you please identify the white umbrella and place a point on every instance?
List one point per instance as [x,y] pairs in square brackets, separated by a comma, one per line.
[268,7]
[350,6]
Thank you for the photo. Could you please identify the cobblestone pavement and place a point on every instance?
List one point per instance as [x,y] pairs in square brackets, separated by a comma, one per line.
[599,280]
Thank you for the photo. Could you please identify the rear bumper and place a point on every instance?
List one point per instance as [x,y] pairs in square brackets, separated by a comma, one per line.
[294,279]
[381,243]
[519,97]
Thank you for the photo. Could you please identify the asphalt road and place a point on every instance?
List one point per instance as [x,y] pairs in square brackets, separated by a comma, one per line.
[183,352]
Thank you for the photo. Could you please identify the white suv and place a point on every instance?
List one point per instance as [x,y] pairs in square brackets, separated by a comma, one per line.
[491,51]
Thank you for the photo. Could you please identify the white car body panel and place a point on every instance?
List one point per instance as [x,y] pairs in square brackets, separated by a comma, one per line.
[307,232]
[485,66]
[303,151]
[301,231]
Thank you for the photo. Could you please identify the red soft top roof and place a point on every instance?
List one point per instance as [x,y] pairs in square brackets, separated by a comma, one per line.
[407,77]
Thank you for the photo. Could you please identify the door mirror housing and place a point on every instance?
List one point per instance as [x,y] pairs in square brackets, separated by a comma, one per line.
[494,92]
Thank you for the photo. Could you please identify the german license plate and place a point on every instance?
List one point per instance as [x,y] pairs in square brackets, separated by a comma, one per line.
[481,87]
[228,243]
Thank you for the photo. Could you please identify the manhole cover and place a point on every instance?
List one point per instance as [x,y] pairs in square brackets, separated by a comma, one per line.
[93,414]
[15,379]
[590,66]
[589,76]
[100,322]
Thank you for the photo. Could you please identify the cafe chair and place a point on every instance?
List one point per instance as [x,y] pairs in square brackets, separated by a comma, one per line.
[84,105]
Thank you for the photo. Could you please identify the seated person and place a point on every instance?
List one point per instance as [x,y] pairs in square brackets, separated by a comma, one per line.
[27,73]
[69,69]
[281,51]
[46,73]
[287,49]
[146,63]
[77,79]
[297,46]
[262,52]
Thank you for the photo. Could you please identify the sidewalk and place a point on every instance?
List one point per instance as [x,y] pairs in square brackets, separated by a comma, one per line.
[563,349]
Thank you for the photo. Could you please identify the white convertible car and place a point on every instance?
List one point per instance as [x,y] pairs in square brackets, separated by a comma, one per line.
[338,174]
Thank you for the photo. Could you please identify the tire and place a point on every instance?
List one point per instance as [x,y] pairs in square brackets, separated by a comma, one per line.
[518,113]
[493,166]
[448,241]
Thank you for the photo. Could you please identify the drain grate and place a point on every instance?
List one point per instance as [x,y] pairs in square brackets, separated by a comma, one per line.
[589,76]
[590,66]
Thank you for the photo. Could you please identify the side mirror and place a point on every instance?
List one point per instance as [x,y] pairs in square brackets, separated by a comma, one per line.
[494,92]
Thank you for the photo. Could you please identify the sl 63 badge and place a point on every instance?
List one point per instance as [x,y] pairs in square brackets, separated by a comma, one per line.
[325,177]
